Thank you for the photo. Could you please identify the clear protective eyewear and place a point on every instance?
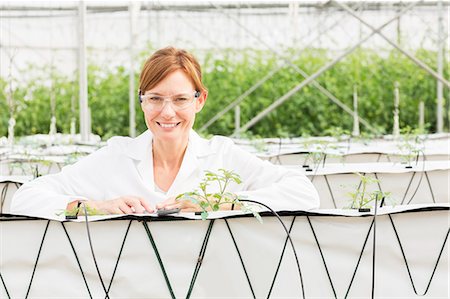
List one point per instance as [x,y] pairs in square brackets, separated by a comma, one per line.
[179,102]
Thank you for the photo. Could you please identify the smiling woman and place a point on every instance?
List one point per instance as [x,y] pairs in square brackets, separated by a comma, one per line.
[148,172]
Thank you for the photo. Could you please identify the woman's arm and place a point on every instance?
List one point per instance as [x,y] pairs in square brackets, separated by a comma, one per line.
[280,188]
[89,179]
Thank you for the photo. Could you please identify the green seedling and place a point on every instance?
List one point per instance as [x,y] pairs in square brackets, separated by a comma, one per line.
[213,201]
[361,198]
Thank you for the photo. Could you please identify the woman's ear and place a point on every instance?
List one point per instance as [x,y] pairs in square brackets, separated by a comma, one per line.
[200,102]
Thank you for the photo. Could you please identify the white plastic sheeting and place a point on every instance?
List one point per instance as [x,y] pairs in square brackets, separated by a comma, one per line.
[422,235]
[300,150]
[422,182]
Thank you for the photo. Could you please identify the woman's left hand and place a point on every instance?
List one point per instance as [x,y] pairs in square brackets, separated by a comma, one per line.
[184,205]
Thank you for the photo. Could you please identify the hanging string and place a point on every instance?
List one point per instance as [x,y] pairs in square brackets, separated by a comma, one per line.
[53,130]
[12,120]
[10,96]
[73,119]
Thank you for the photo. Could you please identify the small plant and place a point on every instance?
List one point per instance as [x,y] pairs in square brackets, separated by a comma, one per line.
[339,134]
[317,153]
[77,211]
[411,144]
[212,201]
[73,157]
[361,198]
[365,137]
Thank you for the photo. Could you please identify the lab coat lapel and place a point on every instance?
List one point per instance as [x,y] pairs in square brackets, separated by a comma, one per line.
[186,174]
[192,167]
[191,170]
[145,167]
[140,150]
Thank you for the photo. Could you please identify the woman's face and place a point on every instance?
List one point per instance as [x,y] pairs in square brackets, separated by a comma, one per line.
[168,123]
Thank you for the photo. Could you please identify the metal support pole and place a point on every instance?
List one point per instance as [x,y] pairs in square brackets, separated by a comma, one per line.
[319,72]
[395,45]
[355,112]
[293,15]
[133,8]
[267,77]
[440,71]
[396,129]
[82,73]
[399,31]
[237,119]
[422,117]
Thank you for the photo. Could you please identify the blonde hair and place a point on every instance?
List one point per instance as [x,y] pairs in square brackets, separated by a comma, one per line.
[166,61]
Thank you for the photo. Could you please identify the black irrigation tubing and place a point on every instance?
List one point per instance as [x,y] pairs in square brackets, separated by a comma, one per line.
[379,157]
[417,188]
[407,188]
[406,261]
[120,254]
[37,258]
[359,260]
[4,285]
[324,159]
[200,259]
[158,256]
[289,237]
[374,247]
[240,258]
[331,191]
[322,256]
[420,179]
[77,259]
[431,189]
[92,250]
[3,197]
[281,258]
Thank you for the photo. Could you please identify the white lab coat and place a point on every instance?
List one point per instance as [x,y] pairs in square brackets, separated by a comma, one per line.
[125,167]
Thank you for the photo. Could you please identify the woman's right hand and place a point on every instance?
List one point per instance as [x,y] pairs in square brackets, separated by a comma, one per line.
[121,205]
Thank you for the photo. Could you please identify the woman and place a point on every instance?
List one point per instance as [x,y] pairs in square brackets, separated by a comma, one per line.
[147,173]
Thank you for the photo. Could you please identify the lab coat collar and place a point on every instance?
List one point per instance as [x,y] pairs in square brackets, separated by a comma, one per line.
[140,149]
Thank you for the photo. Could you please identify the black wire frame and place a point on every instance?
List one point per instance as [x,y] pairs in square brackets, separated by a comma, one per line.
[203,251]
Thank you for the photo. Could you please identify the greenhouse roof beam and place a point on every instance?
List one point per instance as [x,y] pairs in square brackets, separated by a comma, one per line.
[255,86]
[395,45]
[289,62]
[82,74]
[310,79]
[206,6]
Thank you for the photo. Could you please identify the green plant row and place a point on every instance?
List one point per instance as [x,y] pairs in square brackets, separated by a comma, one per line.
[228,74]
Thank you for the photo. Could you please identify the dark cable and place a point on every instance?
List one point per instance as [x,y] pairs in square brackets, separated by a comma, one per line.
[373,246]
[240,258]
[406,261]
[287,234]
[120,254]
[78,261]
[158,256]
[92,249]
[323,258]
[37,258]
[4,285]
[281,258]
[200,258]
[420,179]
[359,260]
[3,196]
